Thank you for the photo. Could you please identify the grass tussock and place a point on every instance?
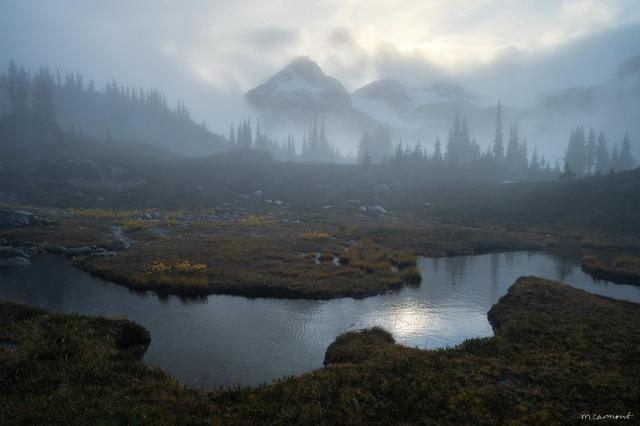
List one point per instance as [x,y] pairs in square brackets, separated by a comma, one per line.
[549,362]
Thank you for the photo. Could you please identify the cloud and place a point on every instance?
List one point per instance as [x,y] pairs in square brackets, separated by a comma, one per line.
[271,38]
[200,50]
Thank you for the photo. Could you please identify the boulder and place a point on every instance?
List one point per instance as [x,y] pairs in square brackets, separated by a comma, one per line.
[16,218]
[14,262]
[378,209]
[102,253]
[9,252]
[56,249]
[3,242]
[78,251]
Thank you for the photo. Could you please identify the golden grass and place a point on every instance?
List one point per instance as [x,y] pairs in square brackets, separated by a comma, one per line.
[185,267]
[315,235]
[255,220]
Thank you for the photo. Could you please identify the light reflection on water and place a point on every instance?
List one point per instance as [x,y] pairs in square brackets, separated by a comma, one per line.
[224,339]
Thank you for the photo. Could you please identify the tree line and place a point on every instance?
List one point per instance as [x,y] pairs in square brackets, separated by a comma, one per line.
[590,155]
[55,101]
[585,155]
[315,145]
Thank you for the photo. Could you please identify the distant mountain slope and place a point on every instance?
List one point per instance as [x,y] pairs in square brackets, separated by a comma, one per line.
[612,106]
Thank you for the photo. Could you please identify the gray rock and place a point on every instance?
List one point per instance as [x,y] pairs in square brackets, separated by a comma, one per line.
[14,218]
[102,253]
[30,250]
[378,209]
[3,242]
[56,249]
[78,251]
[9,252]
[14,262]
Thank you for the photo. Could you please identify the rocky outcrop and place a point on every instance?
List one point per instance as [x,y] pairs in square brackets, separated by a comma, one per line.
[18,218]
[14,262]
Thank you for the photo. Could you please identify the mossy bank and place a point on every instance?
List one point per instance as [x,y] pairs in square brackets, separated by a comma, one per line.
[557,353]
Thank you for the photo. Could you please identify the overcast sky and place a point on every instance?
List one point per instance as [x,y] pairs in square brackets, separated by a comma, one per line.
[209,52]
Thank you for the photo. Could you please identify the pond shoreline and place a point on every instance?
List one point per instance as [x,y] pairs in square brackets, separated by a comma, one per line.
[82,361]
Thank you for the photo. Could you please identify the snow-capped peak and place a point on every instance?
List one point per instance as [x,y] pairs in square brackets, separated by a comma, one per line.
[301,84]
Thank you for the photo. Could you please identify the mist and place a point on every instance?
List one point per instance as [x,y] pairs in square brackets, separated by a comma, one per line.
[319,212]
[199,55]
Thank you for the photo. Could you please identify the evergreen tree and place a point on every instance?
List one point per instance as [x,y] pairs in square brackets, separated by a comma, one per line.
[18,82]
[498,144]
[535,163]
[366,159]
[625,159]
[576,157]
[567,173]
[398,152]
[513,147]
[437,152]
[364,146]
[602,161]
[232,135]
[591,152]
[43,109]
[614,164]
[523,155]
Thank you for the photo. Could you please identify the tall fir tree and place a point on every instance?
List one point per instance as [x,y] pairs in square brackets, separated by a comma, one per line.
[513,147]
[18,82]
[576,157]
[498,144]
[625,159]
[437,152]
[591,153]
[602,160]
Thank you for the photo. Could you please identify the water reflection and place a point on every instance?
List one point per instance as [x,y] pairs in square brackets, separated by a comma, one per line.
[223,339]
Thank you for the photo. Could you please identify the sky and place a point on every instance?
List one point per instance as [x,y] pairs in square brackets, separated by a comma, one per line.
[210,52]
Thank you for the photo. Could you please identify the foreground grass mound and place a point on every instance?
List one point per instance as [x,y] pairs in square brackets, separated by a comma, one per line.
[558,353]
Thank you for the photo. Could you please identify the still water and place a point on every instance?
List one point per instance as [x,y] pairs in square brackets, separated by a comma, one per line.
[227,339]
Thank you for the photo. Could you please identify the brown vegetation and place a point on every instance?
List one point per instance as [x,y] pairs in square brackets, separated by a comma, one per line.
[549,362]
[623,269]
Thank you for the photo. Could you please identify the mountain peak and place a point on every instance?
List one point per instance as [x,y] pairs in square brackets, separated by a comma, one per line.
[300,84]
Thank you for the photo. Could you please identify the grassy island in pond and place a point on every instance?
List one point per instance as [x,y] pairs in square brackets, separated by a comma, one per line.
[200,251]
[557,353]
[622,269]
